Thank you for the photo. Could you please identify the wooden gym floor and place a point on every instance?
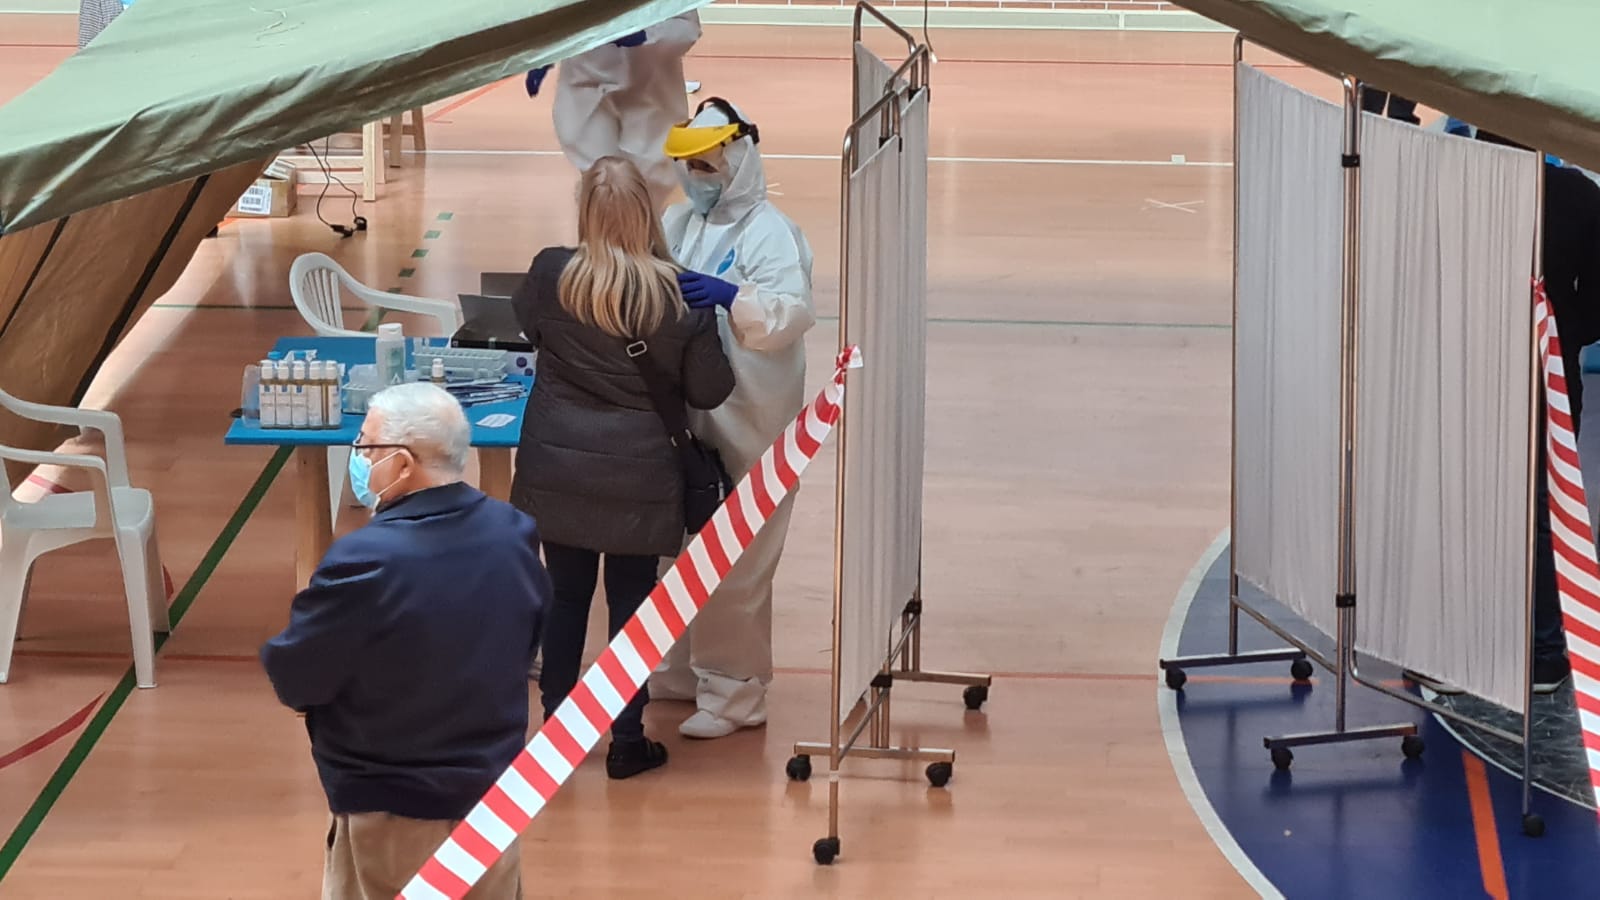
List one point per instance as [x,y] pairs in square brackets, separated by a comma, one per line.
[1076,468]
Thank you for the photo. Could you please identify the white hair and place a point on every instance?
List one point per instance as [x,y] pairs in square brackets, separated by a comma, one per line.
[426,418]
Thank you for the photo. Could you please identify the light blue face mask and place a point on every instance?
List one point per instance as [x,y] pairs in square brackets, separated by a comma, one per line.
[703,191]
[361,477]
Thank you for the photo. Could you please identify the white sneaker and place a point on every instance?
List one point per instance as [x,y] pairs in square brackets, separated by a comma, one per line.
[706,726]
[691,87]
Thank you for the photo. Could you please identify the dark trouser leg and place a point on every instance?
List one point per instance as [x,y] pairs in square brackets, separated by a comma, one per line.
[629,580]
[1549,639]
[1549,635]
[573,573]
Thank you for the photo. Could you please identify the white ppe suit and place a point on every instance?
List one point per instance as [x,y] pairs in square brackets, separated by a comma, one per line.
[725,660]
[622,101]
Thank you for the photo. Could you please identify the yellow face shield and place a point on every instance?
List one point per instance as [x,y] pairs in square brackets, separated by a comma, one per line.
[684,141]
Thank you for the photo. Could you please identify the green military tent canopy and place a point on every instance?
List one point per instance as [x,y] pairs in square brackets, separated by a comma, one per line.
[115,166]
[1527,69]
[174,89]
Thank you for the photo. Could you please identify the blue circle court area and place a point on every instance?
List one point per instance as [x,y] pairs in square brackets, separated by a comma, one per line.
[1359,819]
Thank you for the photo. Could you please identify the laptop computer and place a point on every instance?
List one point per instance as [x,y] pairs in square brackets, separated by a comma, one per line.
[489,322]
[500,284]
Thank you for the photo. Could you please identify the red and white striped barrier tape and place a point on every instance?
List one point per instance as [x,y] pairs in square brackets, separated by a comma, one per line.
[561,743]
[1577,574]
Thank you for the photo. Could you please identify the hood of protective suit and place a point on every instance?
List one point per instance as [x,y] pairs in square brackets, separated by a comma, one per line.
[739,168]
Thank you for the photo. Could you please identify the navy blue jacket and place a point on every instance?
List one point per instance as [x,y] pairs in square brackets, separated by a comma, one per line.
[409,653]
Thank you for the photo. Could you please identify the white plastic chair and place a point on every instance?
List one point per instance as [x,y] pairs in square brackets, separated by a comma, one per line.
[315,282]
[110,509]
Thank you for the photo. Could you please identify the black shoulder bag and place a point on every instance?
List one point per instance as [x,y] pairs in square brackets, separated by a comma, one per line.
[705,480]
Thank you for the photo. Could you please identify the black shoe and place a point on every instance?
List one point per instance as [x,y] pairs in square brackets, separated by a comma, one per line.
[627,759]
[1550,674]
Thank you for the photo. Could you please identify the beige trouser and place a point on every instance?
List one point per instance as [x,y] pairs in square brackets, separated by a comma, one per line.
[371,856]
[725,659]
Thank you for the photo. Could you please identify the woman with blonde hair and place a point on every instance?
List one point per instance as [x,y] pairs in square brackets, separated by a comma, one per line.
[595,467]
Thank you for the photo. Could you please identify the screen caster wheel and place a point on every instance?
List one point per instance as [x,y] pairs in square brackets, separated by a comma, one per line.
[1282,757]
[1412,746]
[975,696]
[939,773]
[1176,679]
[1533,825]
[1300,670]
[799,768]
[825,851]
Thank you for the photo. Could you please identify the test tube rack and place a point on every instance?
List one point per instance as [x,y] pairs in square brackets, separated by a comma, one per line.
[463,363]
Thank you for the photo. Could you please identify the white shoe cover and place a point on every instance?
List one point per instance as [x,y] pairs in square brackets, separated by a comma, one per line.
[706,726]
[726,705]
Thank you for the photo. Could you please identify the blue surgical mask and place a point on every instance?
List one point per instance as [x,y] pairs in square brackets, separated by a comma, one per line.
[361,477]
[704,191]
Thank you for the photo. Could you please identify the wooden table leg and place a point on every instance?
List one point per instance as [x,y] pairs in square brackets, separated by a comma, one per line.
[313,520]
[494,472]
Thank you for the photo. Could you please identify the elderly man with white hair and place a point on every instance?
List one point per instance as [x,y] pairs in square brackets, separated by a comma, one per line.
[408,651]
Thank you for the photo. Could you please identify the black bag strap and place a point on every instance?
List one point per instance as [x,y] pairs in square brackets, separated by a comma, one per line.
[672,414]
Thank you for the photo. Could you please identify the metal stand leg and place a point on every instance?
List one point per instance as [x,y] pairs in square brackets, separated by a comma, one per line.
[910,660]
[1174,668]
[1532,823]
[1296,653]
[1349,338]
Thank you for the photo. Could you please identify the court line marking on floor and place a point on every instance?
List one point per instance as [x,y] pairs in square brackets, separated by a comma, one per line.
[1172,730]
[253,307]
[834,157]
[35,815]
[1487,837]
[947,60]
[56,733]
[1183,206]
[943,60]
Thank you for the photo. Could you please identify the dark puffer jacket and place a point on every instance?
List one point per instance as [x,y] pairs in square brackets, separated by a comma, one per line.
[595,468]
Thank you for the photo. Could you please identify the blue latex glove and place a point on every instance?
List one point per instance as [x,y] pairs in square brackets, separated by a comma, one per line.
[701,291]
[632,40]
[536,78]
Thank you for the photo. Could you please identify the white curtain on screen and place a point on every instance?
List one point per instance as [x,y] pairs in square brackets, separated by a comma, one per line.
[1287,364]
[1446,256]
[884,427]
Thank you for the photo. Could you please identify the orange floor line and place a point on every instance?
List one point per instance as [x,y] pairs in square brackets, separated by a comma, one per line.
[1489,862]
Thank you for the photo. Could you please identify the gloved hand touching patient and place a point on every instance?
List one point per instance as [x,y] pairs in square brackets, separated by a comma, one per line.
[700,290]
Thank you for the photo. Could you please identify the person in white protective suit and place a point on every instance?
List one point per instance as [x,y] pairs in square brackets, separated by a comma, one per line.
[748,259]
[621,98]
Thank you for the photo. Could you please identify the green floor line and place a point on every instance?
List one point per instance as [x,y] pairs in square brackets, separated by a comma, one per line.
[181,604]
